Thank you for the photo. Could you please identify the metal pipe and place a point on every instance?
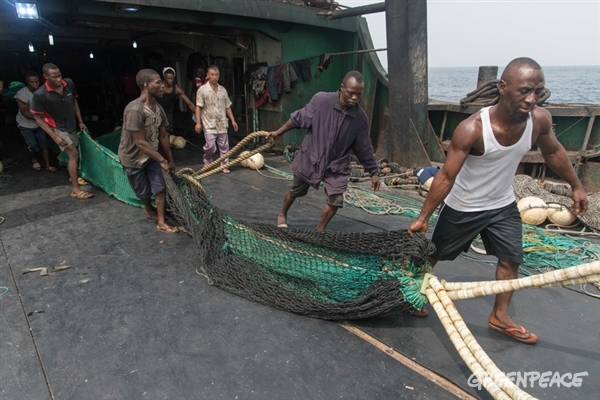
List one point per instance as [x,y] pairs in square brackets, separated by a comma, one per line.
[354,11]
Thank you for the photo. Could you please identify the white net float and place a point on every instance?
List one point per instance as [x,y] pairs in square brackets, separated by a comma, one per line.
[561,215]
[534,210]
[256,161]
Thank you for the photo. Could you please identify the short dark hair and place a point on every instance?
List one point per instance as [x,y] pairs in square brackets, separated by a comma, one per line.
[353,74]
[213,67]
[519,63]
[31,73]
[47,67]
[144,76]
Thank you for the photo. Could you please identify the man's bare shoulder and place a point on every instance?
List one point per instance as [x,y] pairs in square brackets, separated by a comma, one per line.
[541,117]
[541,114]
[469,130]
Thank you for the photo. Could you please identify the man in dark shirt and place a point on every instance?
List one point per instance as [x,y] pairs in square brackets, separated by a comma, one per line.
[169,100]
[336,125]
[56,111]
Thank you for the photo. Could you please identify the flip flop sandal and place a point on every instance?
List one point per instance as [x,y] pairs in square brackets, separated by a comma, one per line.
[422,313]
[82,195]
[81,181]
[37,166]
[51,168]
[170,232]
[510,332]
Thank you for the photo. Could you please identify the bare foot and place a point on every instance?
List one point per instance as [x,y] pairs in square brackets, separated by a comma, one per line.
[281,221]
[152,214]
[167,228]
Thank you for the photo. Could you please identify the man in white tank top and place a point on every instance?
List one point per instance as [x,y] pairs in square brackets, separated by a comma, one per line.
[475,182]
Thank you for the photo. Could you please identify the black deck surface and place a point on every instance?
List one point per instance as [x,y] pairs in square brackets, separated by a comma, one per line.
[131,319]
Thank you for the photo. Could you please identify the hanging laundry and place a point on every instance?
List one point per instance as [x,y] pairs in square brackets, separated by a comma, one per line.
[288,78]
[258,81]
[272,83]
[324,61]
[302,68]
[278,79]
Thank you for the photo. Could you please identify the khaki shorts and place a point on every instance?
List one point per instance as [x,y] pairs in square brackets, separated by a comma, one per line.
[300,188]
[70,138]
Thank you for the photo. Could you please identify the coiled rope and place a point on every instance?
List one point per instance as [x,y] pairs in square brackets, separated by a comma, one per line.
[488,95]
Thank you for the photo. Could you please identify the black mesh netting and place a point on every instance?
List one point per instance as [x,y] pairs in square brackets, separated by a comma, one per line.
[322,274]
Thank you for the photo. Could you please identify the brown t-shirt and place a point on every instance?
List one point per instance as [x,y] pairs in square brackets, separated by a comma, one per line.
[138,117]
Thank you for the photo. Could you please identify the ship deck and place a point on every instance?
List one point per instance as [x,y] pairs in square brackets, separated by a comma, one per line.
[132,319]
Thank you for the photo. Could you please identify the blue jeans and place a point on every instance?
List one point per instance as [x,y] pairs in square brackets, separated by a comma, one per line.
[36,138]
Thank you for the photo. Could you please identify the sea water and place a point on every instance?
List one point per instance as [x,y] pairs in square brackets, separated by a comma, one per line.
[566,84]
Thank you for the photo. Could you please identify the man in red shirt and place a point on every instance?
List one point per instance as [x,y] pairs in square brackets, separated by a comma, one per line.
[55,107]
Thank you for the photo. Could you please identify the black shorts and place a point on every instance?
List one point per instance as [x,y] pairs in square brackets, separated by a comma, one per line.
[300,188]
[146,181]
[501,232]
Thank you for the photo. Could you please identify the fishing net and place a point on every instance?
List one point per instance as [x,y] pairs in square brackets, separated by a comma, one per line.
[100,165]
[321,274]
[525,186]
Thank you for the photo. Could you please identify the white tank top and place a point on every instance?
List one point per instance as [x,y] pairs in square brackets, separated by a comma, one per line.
[485,182]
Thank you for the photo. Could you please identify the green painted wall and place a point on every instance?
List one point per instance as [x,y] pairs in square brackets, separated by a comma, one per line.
[300,43]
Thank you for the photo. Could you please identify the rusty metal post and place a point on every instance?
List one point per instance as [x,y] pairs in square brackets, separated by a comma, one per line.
[408,138]
[486,74]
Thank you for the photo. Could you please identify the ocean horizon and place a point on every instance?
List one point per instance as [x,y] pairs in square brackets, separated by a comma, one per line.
[567,84]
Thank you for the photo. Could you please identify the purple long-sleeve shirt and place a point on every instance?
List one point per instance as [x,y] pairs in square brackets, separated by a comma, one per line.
[331,135]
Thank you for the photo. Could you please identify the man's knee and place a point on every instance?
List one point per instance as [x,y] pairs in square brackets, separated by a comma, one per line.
[507,269]
[72,151]
[336,200]
[507,264]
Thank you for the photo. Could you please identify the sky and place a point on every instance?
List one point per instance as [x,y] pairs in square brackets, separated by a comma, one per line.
[473,33]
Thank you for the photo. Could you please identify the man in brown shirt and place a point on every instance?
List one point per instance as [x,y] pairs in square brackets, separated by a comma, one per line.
[144,122]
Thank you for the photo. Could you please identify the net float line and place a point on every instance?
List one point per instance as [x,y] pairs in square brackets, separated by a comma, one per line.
[482,366]
[584,273]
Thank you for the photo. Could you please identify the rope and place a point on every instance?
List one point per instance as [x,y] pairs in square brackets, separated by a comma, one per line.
[371,203]
[576,122]
[545,249]
[488,95]
[208,170]
[561,229]
[286,176]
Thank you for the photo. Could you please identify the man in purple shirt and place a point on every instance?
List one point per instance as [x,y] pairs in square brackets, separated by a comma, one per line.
[336,125]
